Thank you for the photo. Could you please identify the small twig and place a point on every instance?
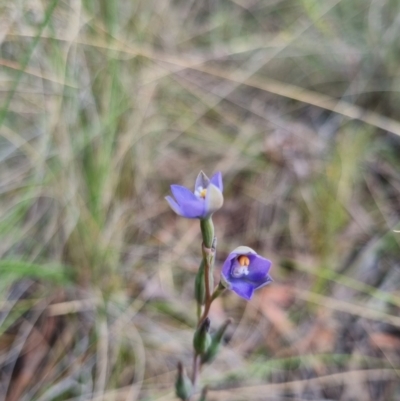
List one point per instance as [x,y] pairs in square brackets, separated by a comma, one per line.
[205,313]
[217,291]
[195,369]
[64,308]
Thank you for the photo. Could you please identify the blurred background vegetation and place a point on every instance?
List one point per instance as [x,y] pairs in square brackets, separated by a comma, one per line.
[104,104]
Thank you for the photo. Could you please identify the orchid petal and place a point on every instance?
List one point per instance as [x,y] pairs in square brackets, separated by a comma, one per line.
[267,280]
[214,200]
[182,194]
[258,268]
[193,209]
[174,206]
[216,179]
[243,289]
[201,181]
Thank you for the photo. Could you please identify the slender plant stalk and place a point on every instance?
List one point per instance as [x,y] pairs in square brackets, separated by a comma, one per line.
[208,257]
[195,368]
[208,252]
[207,232]
[216,293]
[210,294]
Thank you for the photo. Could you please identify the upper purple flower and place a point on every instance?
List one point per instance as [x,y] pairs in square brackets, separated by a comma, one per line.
[244,271]
[206,199]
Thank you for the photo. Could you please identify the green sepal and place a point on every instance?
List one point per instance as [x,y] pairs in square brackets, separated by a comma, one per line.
[215,345]
[202,338]
[199,285]
[183,385]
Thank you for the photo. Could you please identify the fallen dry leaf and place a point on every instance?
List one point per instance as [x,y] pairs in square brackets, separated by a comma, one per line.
[385,341]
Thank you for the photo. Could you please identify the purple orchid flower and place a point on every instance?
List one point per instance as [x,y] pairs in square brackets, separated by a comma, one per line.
[206,199]
[244,271]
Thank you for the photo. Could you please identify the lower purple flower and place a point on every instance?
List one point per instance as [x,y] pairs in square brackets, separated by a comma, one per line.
[244,271]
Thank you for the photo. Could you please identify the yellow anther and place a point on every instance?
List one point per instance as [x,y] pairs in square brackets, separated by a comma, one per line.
[203,193]
[243,260]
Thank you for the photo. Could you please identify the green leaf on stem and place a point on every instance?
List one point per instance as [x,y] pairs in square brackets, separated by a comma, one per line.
[183,385]
[199,285]
[215,345]
[202,338]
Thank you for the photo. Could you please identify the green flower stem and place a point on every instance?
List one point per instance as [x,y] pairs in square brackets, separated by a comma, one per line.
[208,250]
[204,282]
[208,257]
[199,286]
[217,292]
[207,232]
[219,289]
[205,277]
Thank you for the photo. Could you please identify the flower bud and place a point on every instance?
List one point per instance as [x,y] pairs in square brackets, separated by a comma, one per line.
[202,338]
[183,385]
[216,340]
